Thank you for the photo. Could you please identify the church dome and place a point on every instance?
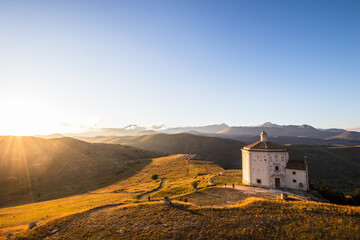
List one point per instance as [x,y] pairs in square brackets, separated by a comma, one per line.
[265,145]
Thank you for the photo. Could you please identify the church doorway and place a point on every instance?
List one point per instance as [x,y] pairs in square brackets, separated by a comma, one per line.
[277,182]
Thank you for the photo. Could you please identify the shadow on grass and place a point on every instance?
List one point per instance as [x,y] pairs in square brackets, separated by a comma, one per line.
[185,209]
[208,194]
[105,206]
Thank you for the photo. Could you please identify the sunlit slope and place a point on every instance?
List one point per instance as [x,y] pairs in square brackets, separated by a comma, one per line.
[176,172]
[224,152]
[34,169]
[250,219]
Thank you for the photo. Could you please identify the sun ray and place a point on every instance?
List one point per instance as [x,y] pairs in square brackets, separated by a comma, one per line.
[24,160]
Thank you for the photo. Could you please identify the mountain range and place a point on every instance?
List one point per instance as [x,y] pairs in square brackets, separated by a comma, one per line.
[282,134]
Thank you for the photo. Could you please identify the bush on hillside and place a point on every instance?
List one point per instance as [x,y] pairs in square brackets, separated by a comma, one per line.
[154,176]
[334,196]
[194,184]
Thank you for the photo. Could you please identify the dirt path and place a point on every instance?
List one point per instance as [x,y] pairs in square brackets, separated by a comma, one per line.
[253,191]
[145,195]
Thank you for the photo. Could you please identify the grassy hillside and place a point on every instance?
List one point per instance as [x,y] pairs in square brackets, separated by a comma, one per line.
[224,152]
[250,219]
[34,169]
[349,135]
[177,172]
[121,210]
[337,166]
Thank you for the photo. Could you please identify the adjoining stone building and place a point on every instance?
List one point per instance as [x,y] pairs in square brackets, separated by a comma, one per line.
[267,164]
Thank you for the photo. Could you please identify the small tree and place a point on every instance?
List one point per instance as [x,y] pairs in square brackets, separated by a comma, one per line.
[194,184]
[154,176]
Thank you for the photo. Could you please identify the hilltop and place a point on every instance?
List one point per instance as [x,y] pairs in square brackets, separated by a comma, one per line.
[34,169]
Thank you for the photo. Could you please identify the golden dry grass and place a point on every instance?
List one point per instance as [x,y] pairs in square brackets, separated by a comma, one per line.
[251,219]
[79,217]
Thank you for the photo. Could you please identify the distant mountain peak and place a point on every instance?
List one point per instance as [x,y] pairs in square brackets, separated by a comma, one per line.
[269,124]
[200,129]
[305,126]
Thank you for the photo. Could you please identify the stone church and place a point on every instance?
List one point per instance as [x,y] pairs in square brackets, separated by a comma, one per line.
[267,164]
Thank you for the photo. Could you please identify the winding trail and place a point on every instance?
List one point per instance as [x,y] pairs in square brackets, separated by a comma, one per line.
[161,186]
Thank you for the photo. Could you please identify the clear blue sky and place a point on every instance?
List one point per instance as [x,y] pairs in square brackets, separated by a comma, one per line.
[180,63]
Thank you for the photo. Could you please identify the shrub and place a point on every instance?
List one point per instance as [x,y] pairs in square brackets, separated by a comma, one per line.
[334,196]
[356,195]
[154,176]
[194,184]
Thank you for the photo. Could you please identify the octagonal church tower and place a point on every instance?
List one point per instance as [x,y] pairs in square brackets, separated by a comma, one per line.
[266,164]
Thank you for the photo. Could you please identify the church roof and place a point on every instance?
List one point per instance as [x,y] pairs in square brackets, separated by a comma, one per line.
[296,164]
[265,145]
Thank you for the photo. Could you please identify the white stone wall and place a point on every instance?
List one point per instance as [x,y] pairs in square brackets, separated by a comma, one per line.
[299,177]
[259,168]
[277,159]
[260,165]
[245,167]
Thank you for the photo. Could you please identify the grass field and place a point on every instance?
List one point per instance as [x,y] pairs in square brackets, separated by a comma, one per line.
[228,177]
[215,196]
[250,219]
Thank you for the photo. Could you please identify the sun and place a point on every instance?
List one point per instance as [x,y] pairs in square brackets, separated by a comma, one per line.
[24,115]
